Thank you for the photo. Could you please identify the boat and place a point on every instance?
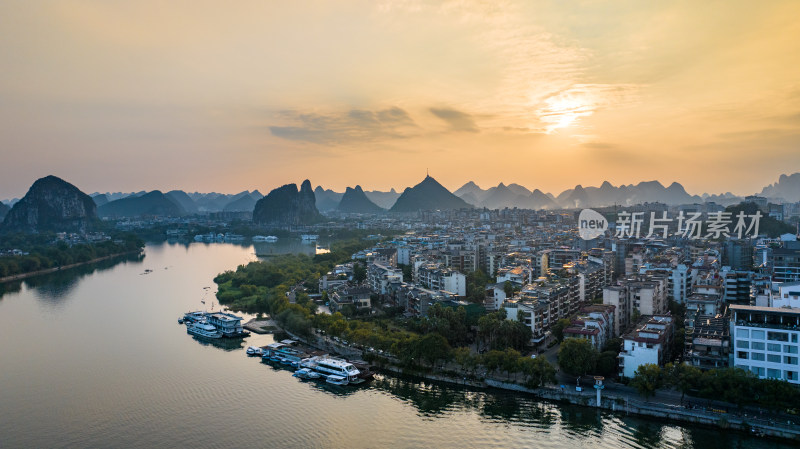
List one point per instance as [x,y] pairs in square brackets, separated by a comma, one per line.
[332,366]
[336,380]
[230,237]
[191,317]
[306,374]
[263,238]
[203,329]
[254,351]
[229,324]
[309,237]
[180,320]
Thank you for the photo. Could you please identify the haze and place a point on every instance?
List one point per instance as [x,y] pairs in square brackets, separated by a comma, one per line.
[228,96]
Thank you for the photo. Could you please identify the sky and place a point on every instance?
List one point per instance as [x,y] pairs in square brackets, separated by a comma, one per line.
[230,96]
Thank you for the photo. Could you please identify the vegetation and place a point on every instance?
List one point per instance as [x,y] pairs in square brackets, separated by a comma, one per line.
[558,329]
[733,385]
[648,378]
[496,332]
[476,286]
[43,253]
[576,356]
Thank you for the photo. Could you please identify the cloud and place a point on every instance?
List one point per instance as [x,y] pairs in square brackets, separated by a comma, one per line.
[353,126]
[458,121]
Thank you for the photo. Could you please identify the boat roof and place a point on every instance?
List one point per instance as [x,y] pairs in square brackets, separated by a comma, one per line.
[334,362]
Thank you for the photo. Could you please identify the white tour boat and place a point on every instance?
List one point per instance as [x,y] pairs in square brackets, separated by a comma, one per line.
[203,329]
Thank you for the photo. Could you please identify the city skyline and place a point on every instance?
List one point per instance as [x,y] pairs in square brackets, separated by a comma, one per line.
[209,97]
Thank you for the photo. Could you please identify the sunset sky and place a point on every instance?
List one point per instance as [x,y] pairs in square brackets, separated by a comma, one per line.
[228,96]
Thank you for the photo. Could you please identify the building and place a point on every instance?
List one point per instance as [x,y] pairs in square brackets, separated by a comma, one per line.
[785,263]
[787,295]
[649,343]
[434,277]
[380,277]
[708,342]
[766,341]
[534,314]
[594,323]
[358,297]
[737,286]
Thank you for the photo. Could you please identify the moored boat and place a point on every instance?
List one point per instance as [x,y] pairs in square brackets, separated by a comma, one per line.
[203,329]
[254,351]
[333,379]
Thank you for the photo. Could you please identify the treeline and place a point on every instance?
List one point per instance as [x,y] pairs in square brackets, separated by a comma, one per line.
[42,256]
[261,287]
[384,338]
[733,385]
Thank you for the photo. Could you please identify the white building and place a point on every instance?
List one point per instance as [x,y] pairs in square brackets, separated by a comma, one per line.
[766,341]
[649,343]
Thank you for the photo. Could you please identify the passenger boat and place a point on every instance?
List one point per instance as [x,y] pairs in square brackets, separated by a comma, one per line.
[229,324]
[336,380]
[330,366]
[203,329]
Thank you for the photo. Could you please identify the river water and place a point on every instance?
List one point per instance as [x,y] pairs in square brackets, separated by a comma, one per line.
[94,357]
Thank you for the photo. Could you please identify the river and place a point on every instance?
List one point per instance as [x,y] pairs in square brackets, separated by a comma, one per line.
[94,357]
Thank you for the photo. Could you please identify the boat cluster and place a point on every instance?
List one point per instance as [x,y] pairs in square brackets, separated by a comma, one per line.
[312,366]
[213,325]
[265,238]
[212,237]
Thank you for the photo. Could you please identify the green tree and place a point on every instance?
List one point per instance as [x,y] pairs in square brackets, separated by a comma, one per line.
[508,288]
[359,273]
[576,356]
[607,363]
[538,371]
[433,347]
[647,379]
[682,377]
[558,329]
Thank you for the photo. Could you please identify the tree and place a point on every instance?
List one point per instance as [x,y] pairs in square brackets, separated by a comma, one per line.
[576,356]
[558,329]
[508,289]
[359,273]
[607,363]
[538,371]
[682,377]
[647,379]
[463,356]
[433,347]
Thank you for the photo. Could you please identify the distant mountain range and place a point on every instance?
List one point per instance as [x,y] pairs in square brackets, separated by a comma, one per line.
[787,187]
[151,203]
[429,194]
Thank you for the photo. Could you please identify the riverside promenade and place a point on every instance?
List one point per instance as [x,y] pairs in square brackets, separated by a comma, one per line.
[615,397]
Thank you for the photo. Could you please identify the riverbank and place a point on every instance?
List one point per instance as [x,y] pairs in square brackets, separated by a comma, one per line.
[21,276]
[616,403]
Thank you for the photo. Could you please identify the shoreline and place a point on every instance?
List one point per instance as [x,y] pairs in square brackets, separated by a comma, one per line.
[21,276]
[609,402]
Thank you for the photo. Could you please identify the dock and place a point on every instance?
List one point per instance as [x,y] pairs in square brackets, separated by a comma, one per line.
[267,326]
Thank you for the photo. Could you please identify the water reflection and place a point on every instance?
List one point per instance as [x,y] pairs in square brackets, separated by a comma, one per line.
[57,286]
[226,344]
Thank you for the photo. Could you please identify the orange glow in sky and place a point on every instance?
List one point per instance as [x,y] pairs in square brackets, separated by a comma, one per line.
[229,96]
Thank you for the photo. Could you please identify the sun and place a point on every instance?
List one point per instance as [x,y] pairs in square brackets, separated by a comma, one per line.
[563,110]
